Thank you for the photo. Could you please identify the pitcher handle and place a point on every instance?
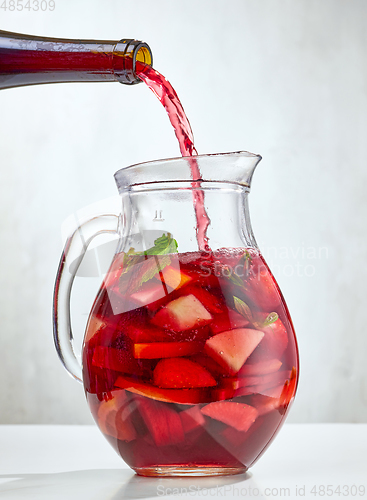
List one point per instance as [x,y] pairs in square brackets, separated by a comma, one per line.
[75,247]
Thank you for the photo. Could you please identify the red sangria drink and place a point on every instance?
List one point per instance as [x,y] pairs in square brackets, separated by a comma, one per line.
[190,361]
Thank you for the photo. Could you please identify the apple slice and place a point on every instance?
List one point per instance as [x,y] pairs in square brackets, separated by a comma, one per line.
[270,380]
[260,368]
[181,373]
[275,398]
[173,278]
[231,349]
[191,419]
[181,314]
[163,422]
[114,416]
[211,302]
[237,415]
[156,350]
[271,392]
[233,437]
[264,404]
[94,325]
[150,292]
[274,342]
[261,287]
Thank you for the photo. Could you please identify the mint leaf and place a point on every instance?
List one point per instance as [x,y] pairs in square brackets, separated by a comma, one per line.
[243,308]
[154,266]
[245,261]
[163,245]
[235,279]
[271,318]
[140,267]
[133,278]
[248,259]
[130,258]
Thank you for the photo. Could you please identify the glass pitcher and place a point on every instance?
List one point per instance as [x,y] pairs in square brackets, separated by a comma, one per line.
[190,360]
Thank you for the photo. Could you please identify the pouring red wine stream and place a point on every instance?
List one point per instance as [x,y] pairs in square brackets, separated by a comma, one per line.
[177,116]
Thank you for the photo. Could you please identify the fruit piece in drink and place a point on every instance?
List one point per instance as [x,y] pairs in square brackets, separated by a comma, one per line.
[231,349]
[181,373]
[237,415]
[184,313]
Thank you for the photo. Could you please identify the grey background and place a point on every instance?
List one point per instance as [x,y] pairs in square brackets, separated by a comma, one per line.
[286,79]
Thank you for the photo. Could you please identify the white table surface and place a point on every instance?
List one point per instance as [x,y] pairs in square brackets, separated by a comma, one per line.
[76,462]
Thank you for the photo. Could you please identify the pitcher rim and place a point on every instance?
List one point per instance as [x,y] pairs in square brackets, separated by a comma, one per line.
[142,173]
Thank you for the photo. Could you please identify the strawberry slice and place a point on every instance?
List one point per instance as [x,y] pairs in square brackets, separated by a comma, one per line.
[274,342]
[191,419]
[173,278]
[231,349]
[163,422]
[237,415]
[260,368]
[155,350]
[184,313]
[180,396]
[181,373]
[228,320]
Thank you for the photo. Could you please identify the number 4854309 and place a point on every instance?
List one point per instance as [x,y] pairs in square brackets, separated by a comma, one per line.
[30,5]
[344,490]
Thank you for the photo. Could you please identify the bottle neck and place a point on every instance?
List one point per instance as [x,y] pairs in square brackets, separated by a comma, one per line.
[29,60]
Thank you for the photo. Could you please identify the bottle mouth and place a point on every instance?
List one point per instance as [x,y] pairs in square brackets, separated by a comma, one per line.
[126,54]
[223,168]
[144,54]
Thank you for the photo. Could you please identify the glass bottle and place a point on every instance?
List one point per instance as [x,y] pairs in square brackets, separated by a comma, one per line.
[31,60]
